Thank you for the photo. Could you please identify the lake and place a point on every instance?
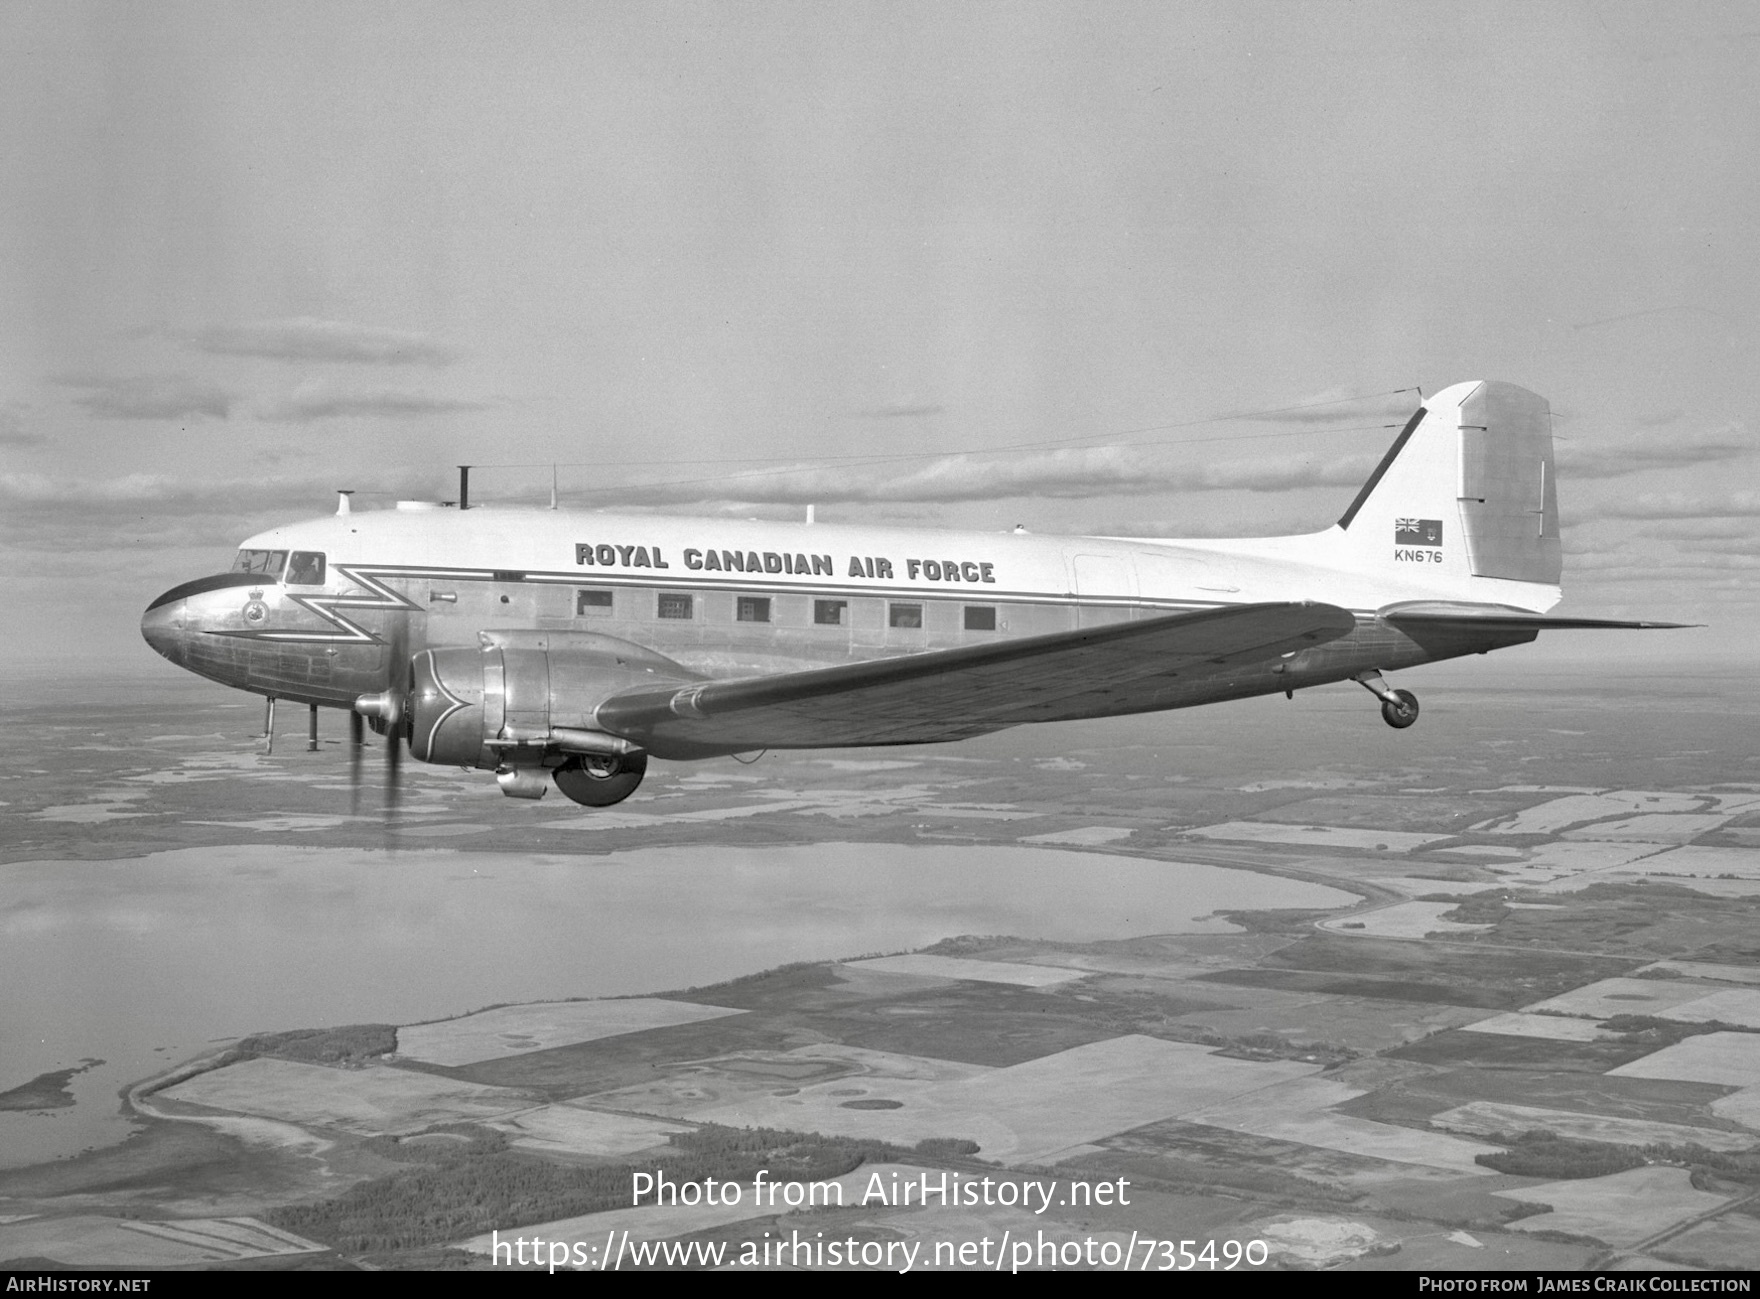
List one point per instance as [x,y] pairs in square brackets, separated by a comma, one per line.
[146,961]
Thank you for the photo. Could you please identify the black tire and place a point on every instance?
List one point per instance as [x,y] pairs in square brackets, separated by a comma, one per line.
[1401,714]
[600,782]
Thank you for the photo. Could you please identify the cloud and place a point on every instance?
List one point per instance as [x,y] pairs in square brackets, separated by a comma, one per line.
[1582,460]
[1064,474]
[1727,503]
[1682,565]
[1700,529]
[899,410]
[1602,532]
[1620,568]
[40,489]
[116,515]
[1278,522]
[12,429]
[22,492]
[43,513]
[149,396]
[157,493]
[321,400]
[183,397]
[306,339]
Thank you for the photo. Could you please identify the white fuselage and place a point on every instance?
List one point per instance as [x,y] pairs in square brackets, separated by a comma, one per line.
[728,597]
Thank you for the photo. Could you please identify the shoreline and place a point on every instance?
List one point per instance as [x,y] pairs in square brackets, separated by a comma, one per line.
[47,1091]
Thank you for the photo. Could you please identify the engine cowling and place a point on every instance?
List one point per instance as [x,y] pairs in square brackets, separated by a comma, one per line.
[523,694]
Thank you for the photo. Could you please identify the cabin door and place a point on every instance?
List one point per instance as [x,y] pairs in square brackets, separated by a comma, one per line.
[1107,589]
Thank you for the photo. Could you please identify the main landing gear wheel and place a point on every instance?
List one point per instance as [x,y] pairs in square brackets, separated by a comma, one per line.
[597,781]
[1400,711]
[1399,708]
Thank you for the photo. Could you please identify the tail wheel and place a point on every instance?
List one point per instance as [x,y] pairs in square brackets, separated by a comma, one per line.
[1400,711]
[596,781]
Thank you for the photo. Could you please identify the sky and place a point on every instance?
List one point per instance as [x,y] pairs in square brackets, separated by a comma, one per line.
[1116,268]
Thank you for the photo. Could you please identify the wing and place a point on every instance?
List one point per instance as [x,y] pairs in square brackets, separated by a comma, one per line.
[1161,662]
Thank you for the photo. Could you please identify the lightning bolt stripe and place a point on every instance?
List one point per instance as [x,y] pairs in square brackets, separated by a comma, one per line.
[373,595]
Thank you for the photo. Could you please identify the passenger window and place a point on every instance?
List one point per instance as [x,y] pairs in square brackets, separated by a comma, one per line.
[306,568]
[675,606]
[593,602]
[752,608]
[906,615]
[980,617]
[829,613]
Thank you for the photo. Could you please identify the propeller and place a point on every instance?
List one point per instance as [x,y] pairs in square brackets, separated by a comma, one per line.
[394,741]
[389,711]
[397,718]
[357,739]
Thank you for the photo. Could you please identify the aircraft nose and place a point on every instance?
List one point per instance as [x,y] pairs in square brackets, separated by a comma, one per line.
[162,626]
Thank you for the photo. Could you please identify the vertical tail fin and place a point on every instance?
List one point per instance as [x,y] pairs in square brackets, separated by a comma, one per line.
[1467,490]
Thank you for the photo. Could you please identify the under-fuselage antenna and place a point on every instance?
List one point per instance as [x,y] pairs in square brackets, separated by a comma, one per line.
[342,495]
[809,514]
[464,487]
[553,486]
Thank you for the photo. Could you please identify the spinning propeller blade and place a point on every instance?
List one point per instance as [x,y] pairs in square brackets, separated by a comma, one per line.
[357,737]
[397,724]
[393,767]
[389,710]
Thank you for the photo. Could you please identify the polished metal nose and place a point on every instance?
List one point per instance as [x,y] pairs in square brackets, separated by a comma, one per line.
[162,627]
[167,623]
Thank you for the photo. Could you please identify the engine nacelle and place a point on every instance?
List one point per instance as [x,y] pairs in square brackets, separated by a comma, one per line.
[529,691]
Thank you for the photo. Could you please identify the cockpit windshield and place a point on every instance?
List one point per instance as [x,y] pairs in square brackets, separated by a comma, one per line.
[267,562]
[306,568]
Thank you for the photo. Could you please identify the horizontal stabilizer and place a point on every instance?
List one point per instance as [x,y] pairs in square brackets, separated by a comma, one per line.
[1491,617]
[953,694]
